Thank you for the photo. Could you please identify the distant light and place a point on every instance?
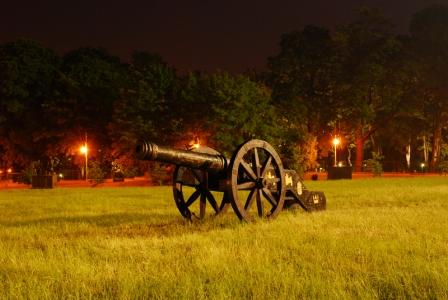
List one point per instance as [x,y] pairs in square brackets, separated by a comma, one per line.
[196,143]
[340,164]
[336,141]
[422,165]
[83,149]
[9,170]
[61,175]
[1,171]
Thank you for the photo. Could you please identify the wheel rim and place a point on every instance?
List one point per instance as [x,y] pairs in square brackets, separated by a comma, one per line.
[257,181]
[192,195]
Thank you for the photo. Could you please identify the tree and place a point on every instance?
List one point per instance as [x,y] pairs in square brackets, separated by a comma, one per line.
[372,84]
[92,82]
[429,32]
[145,108]
[302,77]
[192,108]
[224,110]
[240,110]
[29,75]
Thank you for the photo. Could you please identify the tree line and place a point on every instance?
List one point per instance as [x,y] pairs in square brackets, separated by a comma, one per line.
[382,93]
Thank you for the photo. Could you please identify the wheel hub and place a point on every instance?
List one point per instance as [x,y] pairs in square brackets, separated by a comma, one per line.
[260,183]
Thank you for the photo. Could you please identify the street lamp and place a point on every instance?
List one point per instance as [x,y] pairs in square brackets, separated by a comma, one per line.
[336,142]
[84,150]
[196,145]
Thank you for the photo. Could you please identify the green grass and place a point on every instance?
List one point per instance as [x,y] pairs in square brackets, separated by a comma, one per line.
[378,238]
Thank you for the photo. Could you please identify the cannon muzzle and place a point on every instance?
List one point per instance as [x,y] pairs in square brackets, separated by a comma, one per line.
[210,162]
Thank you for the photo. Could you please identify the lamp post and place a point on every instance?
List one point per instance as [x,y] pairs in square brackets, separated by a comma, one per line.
[336,142]
[84,150]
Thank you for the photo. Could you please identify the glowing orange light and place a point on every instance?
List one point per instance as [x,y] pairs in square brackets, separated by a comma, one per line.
[1,171]
[9,170]
[83,149]
[196,143]
[336,141]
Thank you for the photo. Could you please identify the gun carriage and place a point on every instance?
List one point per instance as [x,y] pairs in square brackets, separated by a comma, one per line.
[253,181]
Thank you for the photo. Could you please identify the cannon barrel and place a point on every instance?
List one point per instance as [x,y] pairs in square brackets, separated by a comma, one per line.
[210,162]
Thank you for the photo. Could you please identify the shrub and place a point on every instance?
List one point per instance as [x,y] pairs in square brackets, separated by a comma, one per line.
[374,164]
[301,157]
[125,166]
[27,174]
[443,167]
[96,173]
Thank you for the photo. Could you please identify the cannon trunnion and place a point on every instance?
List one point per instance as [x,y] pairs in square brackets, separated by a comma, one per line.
[253,181]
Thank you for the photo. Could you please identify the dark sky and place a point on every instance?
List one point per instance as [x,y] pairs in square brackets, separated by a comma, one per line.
[189,34]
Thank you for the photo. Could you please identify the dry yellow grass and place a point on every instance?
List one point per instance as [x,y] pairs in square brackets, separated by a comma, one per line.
[379,238]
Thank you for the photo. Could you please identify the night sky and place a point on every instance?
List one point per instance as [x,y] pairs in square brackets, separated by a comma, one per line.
[190,34]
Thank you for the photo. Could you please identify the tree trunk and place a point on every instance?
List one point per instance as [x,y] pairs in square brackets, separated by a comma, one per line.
[408,157]
[436,140]
[425,149]
[359,141]
[361,136]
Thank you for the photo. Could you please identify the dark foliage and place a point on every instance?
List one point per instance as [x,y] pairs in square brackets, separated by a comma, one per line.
[381,92]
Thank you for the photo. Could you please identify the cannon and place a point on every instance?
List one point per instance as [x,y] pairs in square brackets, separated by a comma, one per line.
[253,181]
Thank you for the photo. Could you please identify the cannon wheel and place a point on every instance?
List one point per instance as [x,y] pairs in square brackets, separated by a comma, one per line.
[197,180]
[256,175]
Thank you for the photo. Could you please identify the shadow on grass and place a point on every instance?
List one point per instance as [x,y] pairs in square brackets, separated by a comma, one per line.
[127,224]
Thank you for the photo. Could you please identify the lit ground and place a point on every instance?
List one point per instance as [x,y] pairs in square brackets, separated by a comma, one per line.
[379,238]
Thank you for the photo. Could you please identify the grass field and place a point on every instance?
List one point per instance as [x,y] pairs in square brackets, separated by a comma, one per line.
[378,238]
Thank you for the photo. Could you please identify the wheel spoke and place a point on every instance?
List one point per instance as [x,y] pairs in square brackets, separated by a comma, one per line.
[225,201]
[256,174]
[212,201]
[268,195]
[266,166]
[246,185]
[250,199]
[259,204]
[202,206]
[248,170]
[257,162]
[273,180]
[193,198]
[187,199]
